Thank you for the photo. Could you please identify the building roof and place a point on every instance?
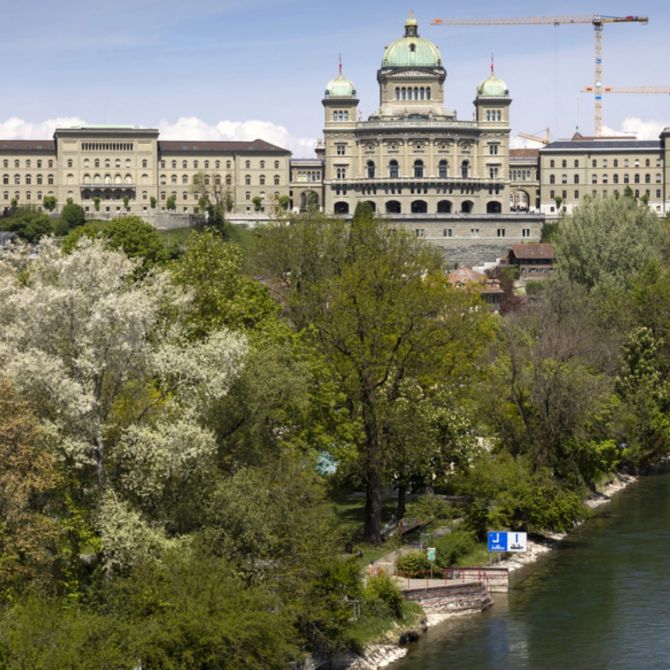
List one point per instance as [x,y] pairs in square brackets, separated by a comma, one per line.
[28,145]
[464,276]
[603,145]
[535,251]
[340,87]
[255,146]
[523,154]
[492,87]
[412,50]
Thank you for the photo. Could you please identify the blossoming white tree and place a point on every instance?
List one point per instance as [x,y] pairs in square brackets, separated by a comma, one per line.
[104,359]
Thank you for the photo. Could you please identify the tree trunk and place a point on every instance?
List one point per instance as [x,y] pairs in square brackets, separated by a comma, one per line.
[402,500]
[373,471]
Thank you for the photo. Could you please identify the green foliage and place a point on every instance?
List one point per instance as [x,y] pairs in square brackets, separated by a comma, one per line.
[153,202]
[73,215]
[453,546]
[29,223]
[126,202]
[96,203]
[382,593]
[49,202]
[413,564]
[134,236]
[258,203]
[430,509]
[607,241]
[549,231]
[171,203]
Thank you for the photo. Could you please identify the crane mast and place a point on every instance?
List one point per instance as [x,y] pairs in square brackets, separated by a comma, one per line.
[598,22]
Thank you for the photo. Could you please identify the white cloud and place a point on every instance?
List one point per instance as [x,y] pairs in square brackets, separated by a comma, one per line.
[643,130]
[15,128]
[184,128]
[193,128]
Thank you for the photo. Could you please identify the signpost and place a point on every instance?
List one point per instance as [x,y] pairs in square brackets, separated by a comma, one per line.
[507,541]
[431,554]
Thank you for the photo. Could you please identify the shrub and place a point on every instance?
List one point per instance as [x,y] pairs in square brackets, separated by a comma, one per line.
[453,546]
[382,589]
[413,564]
[73,215]
[430,508]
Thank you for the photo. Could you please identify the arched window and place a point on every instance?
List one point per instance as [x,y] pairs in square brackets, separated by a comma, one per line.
[229,180]
[277,180]
[393,169]
[443,169]
[371,204]
[184,165]
[117,179]
[341,208]
[206,165]
[174,165]
[262,165]
[466,207]
[247,180]
[184,179]
[419,207]
[108,163]
[615,178]
[5,163]
[5,179]
[50,179]
[173,179]
[217,164]
[227,165]
[86,163]
[87,179]
[493,207]
[444,207]
[261,180]
[195,165]
[393,207]
[129,179]
[69,162]
[552,179]
[428,93]
[247,165]
[145,163]
[29,180]
[418,169]
[17,179]
[128,162]
[465,169]
[371,169]
[108,179]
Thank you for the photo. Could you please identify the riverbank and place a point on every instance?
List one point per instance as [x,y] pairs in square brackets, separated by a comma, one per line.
[379,656]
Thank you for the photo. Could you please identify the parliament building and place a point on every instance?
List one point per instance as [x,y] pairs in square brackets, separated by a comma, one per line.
[454,182]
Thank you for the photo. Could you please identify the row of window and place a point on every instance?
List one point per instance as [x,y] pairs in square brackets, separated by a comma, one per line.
[413,93]
[604,162]
[26,196]
[28,163]
[493,115]
[340,115]
[564,194]
[39,179]
[418,170]
[421,207]
[604,179]
[107,146]
[521,175]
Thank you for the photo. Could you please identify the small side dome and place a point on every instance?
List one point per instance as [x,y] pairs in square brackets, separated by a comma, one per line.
[340,88]
[492,87]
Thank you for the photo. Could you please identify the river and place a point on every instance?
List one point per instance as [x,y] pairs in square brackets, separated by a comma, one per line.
[602,601]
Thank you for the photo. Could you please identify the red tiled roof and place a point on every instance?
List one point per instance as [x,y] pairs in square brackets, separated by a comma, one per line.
[524,153]
[27,145]
[255,146]
[534,251]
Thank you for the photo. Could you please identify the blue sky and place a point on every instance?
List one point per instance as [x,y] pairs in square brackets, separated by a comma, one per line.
[223,68]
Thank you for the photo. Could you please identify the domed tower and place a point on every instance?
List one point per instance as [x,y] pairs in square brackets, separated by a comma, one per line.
[340,103]
[411,77]
[492,102]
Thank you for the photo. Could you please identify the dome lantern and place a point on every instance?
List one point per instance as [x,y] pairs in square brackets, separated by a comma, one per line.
[412,50]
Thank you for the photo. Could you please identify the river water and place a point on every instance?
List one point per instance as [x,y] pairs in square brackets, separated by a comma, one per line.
[600,602]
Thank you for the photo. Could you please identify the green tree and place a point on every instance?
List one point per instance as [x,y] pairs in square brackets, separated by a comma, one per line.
[606,242]
[126,202]
[383,314]
[96,203]
[49,202]
[134,236]
[73,215]
[153,202]
[29,223]
[258,203]
[171,203]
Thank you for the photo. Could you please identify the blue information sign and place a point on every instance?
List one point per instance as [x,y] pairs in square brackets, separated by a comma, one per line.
[497,541]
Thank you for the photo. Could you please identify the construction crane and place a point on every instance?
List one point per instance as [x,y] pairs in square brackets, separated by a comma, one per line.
[598,22]
[631,90]
[534,137]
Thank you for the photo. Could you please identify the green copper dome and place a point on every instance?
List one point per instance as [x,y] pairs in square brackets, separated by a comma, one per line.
[412,50]
[492,87]
[340,88]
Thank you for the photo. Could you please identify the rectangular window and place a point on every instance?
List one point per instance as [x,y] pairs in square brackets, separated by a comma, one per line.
[447,232]
[341,173]
[493,149]
[341,149]
[576,195]
[474,232]
[419,232]
[501,232]
[525,232]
